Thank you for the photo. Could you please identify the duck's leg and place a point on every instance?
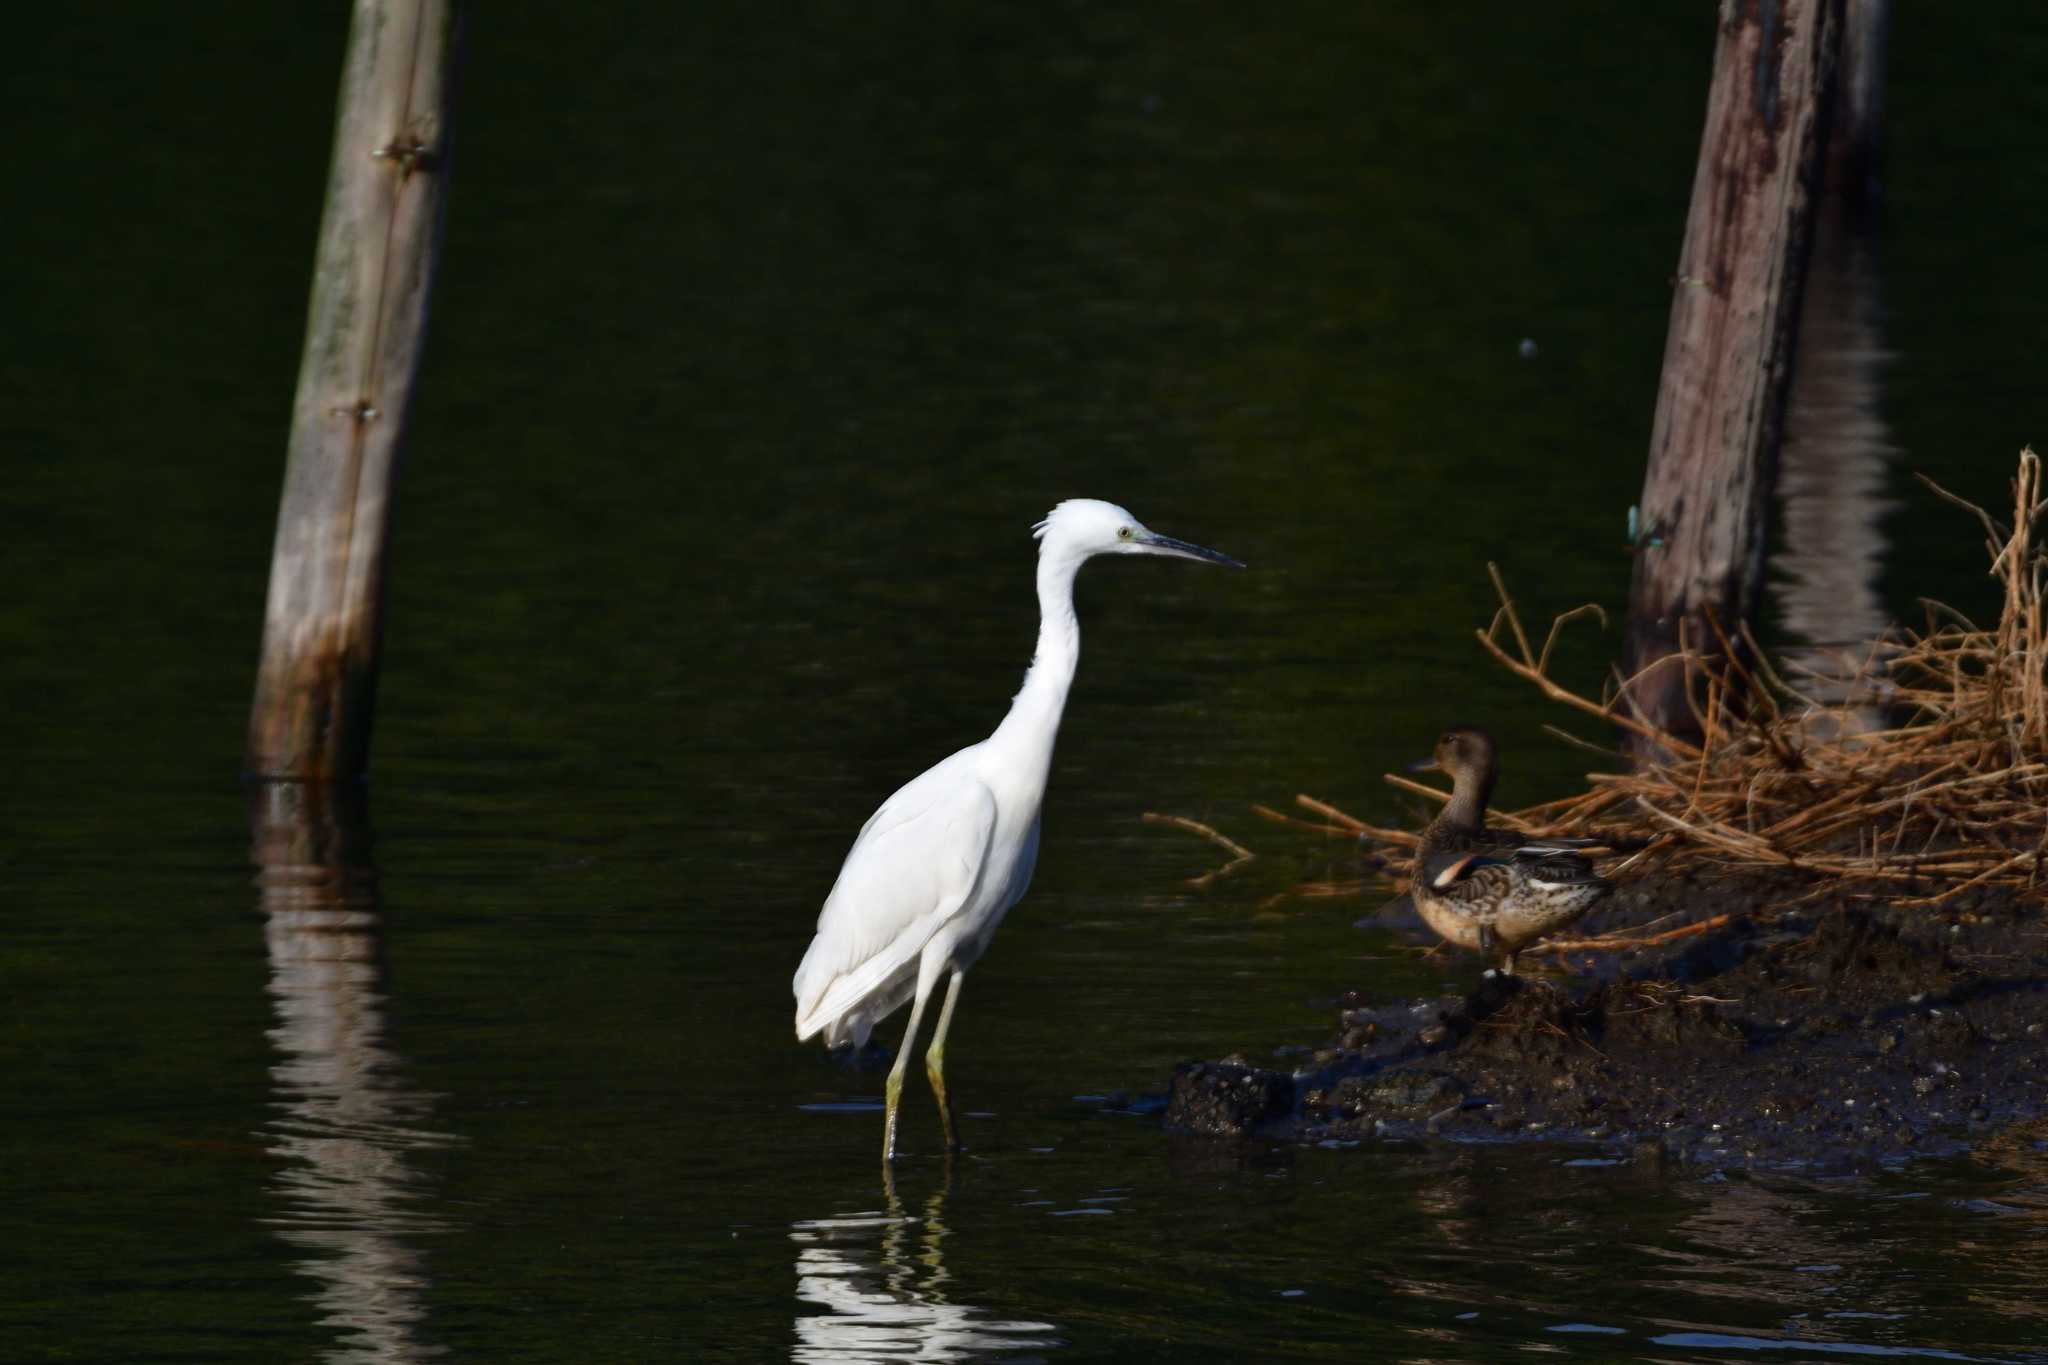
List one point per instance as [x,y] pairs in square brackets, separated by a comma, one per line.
[935,1060]
[1490,949]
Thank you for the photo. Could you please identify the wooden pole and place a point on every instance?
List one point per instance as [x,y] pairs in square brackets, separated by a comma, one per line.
[1728,356]
[317,677]
[1857,128]
[311,845]
[345,1122]
[1834,463]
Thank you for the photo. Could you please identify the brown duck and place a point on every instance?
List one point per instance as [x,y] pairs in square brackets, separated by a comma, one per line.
[1491,889]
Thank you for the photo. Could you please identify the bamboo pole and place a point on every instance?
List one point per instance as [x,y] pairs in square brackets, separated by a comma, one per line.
[1728,354]
[372,275]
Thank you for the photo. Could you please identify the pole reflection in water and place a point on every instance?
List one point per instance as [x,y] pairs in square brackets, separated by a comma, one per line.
[345,1121]
[881,1279]
[1833,470]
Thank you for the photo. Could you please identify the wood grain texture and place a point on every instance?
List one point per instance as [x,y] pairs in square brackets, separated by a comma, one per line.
[1728,354]
[366,322]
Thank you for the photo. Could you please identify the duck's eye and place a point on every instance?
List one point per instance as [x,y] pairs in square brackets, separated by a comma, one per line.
[1123,533]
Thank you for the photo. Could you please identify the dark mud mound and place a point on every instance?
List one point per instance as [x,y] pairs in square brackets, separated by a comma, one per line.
[1826,1035]
[1229,1099]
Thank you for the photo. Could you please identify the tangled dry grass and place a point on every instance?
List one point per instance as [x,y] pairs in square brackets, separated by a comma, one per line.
[1918,768]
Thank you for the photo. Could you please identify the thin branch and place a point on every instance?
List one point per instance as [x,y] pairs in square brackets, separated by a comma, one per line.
[1611,943]
[1240,855]
[1323,808]
[1267,812]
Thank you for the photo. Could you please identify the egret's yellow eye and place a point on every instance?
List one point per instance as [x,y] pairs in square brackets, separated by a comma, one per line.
[1123,533]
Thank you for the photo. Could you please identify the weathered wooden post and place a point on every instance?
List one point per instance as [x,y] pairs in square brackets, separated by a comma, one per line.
[322,629]
[344,1120]
[1728,354]
[1834,466]
[1856,135]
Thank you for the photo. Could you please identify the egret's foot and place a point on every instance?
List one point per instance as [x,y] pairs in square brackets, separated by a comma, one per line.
[935,1061]
[935,1072]
[892,1095]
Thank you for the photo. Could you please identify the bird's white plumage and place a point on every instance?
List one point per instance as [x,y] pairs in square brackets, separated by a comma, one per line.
[935,869]
[915,865]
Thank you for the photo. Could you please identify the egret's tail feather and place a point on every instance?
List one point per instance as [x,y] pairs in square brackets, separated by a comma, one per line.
[848,1007]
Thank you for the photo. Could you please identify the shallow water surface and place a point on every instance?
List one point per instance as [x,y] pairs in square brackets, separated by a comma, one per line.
[761,342]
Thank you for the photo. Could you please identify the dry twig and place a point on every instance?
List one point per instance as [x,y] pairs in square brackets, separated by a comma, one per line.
[1614,943]
[1240,855]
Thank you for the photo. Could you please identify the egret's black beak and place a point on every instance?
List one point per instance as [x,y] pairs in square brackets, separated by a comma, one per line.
[1426,765]
[1157,544]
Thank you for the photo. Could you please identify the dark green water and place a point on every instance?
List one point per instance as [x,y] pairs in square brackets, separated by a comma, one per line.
[763,337]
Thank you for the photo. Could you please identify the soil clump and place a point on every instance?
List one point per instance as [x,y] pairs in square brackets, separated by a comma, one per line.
[1809,1031]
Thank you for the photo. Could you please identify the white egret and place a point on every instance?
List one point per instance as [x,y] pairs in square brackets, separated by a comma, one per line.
[934,870]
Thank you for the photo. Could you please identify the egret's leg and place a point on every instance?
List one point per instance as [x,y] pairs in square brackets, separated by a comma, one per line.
[935,1060]
[893,1091]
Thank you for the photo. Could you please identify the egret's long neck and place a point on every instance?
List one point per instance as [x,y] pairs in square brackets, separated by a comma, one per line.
[1034,719]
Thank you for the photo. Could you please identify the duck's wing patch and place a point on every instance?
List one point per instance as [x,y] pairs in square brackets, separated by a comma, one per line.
[1459,870]
[1558,869]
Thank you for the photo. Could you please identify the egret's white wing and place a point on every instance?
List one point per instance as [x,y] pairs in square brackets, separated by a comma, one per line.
[916,862]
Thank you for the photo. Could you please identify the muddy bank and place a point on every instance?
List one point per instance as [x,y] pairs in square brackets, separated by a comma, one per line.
[1837,1032]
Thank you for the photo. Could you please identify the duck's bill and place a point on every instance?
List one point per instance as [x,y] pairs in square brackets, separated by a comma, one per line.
[1426,765]
[1157,544]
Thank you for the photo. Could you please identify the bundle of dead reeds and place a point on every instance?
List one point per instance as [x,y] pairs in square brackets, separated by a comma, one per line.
[1922,765]
[1918,767]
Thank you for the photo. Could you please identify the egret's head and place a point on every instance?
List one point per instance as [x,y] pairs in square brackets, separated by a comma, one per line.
[1080,527]
[1462,750]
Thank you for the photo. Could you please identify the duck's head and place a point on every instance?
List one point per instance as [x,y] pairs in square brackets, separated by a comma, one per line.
[1466,752]
[1080,527]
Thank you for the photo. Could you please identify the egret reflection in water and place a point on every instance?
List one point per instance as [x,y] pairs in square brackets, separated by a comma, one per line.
[880,1278]
[344,1121]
